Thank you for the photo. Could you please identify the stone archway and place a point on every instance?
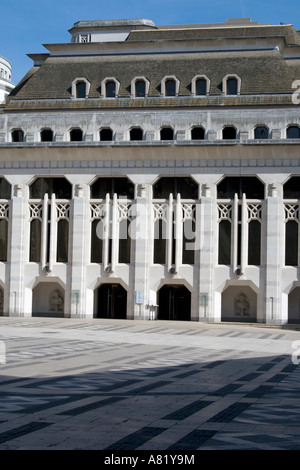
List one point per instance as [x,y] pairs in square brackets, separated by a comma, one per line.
[239,304]
[110,301]
[174,303]
[48,300]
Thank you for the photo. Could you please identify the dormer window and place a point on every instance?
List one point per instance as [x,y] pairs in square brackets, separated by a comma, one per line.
[110,87]
[140,87]
[80,88]
[170,86]
[231,85]
[200,85]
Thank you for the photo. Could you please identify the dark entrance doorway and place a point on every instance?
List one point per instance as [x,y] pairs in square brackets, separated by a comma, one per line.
[111,301]
[174,303]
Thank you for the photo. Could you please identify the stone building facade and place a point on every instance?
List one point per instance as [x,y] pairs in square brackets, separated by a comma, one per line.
[153,171]
[6,85]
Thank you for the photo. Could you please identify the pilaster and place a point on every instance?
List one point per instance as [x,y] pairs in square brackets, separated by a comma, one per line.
[17,254]
[79,254]
[206,244]
[273,259]
[142,253]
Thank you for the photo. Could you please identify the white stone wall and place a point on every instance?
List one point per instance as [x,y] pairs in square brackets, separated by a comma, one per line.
[6,85]
[27,286]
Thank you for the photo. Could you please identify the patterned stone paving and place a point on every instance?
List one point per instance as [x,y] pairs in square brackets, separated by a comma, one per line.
[120,385]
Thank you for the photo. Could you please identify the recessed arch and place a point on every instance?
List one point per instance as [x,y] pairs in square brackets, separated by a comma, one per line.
[174,302]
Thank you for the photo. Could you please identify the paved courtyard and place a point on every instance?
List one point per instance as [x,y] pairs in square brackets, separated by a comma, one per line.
[147,385]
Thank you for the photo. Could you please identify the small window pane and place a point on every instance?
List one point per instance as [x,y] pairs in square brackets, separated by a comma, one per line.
[140,88]
[254,243]
[110,89]
[261,132]
[201,87]
[121,186]
[170,87]
[3,239]
[76,135]
[293,132]
[80,90]
[225,242]
[35,241]
[62,241]
[229,133]
[188,239]
[197,133]
[160,242]
[17,135]
[96,242]
[5,189]
[291,243]
[106,135]
[124,241]
[46,135]
[291,189]
[167,133]
[58,186]
[136,134]
[231,86]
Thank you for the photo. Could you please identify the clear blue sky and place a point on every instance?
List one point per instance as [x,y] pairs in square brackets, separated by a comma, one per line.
[28,24]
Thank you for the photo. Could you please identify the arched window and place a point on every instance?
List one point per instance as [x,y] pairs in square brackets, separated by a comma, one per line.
[231,85]
[197,133]
[80,88]
[106,134]
[170,86]
[136,133]
[46,135]
[261,132]
[200,85]
[293,132]
[17,135]
[140,87]
[76,135]
[229,132]
[110,87]
[167,133]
